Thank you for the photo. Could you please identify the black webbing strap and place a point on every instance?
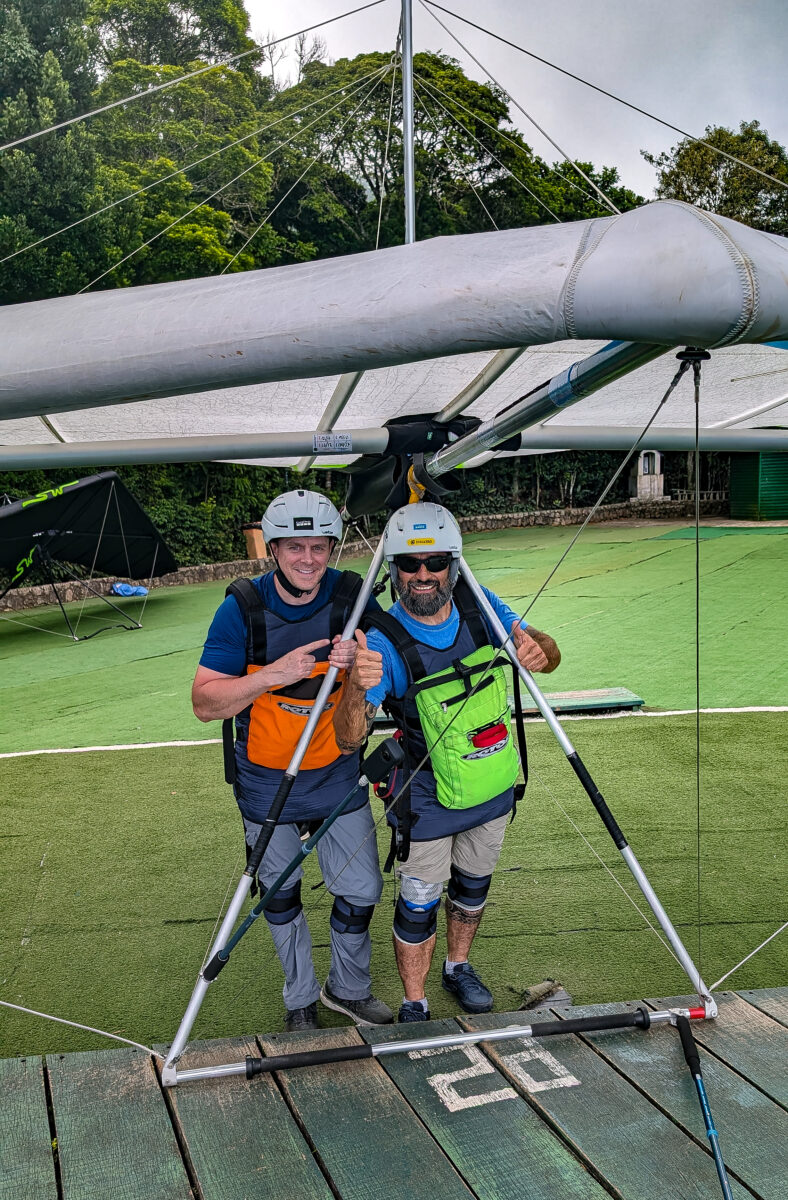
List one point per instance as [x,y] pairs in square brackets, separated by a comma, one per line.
[401,640]
[470,613]
[344,598]
[252,609]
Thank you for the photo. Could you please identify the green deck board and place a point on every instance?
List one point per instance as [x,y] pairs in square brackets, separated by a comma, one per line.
[501,1147]
[772,1001]
[369,1140]
[753,1129]
[27,1169]
[640,1153]
[744,1038]
[113,1132]
[240,1136]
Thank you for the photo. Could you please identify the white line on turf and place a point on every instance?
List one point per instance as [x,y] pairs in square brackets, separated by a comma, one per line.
[608,716]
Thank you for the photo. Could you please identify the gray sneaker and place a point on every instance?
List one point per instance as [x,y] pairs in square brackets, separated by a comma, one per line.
[369,1011]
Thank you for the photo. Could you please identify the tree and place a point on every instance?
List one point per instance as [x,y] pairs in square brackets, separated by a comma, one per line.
[170,31]
[696,173]
[466,153]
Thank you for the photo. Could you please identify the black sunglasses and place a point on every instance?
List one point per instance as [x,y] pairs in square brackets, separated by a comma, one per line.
[411,564]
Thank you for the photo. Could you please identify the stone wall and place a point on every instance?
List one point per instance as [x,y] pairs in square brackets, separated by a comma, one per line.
[662,510]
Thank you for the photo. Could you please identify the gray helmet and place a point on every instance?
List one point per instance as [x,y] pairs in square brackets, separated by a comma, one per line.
[419,528]
[301,514]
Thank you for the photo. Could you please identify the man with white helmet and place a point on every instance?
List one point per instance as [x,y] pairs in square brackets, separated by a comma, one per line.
[428,662]
[268,648]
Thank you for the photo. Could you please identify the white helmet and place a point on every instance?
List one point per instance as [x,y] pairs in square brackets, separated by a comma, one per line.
[301,514]
[420,528]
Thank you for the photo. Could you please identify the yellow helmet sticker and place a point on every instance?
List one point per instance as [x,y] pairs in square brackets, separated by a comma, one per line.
[421,542]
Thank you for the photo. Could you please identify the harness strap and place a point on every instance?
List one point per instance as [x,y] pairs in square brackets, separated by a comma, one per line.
[400,639]
[344,598]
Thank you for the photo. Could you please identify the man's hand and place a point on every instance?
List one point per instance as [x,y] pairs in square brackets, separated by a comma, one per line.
[368,668]
[291,667]
[536,651]
[342,653]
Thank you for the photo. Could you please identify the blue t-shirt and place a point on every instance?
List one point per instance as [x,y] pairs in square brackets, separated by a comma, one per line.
[433,819]
[315,792]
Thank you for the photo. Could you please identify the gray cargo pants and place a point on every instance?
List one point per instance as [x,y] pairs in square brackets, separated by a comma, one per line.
[348,857]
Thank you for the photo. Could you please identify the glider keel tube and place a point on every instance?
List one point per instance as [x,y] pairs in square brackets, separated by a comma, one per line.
[578,381]
[595,796]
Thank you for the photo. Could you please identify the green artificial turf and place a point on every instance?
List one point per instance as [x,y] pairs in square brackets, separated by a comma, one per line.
[116,864]
[621,607]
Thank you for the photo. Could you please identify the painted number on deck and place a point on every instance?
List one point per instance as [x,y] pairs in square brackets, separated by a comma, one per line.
[552,1074]
[444,1083]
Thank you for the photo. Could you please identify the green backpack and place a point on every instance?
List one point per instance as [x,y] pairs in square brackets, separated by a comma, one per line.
[464,714]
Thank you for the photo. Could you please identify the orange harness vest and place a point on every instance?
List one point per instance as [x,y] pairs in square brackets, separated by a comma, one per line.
[272,725]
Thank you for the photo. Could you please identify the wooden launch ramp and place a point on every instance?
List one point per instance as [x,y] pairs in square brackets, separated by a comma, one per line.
[564,1118]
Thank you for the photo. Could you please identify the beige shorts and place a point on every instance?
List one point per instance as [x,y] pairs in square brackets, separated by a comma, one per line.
[475,851]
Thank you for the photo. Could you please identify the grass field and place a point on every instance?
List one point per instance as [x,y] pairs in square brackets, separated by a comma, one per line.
[115,864]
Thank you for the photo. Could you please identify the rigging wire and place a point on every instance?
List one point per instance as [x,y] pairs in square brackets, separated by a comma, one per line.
[305,172]
[179,171]
[696,372]
[76,1024]
[575,166]
[388,139]
[455,158]
[611,95]
[479,142]
[182,78]
[747,958]
[227,184]
[572,183]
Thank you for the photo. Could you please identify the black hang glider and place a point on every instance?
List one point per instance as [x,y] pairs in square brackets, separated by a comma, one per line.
[94,523]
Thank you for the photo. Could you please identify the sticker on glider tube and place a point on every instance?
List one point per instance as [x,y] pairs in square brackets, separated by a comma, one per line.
[338,443]
[487,435]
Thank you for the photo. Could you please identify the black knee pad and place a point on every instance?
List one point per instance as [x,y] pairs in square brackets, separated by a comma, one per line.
[350,918]
[468,891]
[285,906]
[415,923]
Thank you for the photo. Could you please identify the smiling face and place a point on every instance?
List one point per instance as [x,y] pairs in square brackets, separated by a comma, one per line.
[423,593]
[303,561]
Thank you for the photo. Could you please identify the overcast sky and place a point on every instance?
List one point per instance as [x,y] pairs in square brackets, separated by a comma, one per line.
[691,62]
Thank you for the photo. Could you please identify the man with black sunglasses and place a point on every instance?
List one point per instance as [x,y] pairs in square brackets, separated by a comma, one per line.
[430,662]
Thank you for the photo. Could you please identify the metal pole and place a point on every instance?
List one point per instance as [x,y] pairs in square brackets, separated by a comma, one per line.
[641,1019]
[255,858]
[407,122]
[596,797]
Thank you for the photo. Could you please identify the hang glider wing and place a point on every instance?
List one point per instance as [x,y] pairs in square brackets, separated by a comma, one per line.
[94,522]
[240,358]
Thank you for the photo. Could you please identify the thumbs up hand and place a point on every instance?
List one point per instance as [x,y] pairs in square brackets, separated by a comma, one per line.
[368,668]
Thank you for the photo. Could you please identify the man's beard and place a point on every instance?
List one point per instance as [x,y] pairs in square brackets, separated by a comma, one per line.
[424,604]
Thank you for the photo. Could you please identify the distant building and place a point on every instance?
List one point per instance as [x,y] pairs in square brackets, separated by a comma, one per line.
[646,478]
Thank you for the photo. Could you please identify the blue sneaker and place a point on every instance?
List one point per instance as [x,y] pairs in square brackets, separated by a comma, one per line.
[411,1010]
[466,985]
